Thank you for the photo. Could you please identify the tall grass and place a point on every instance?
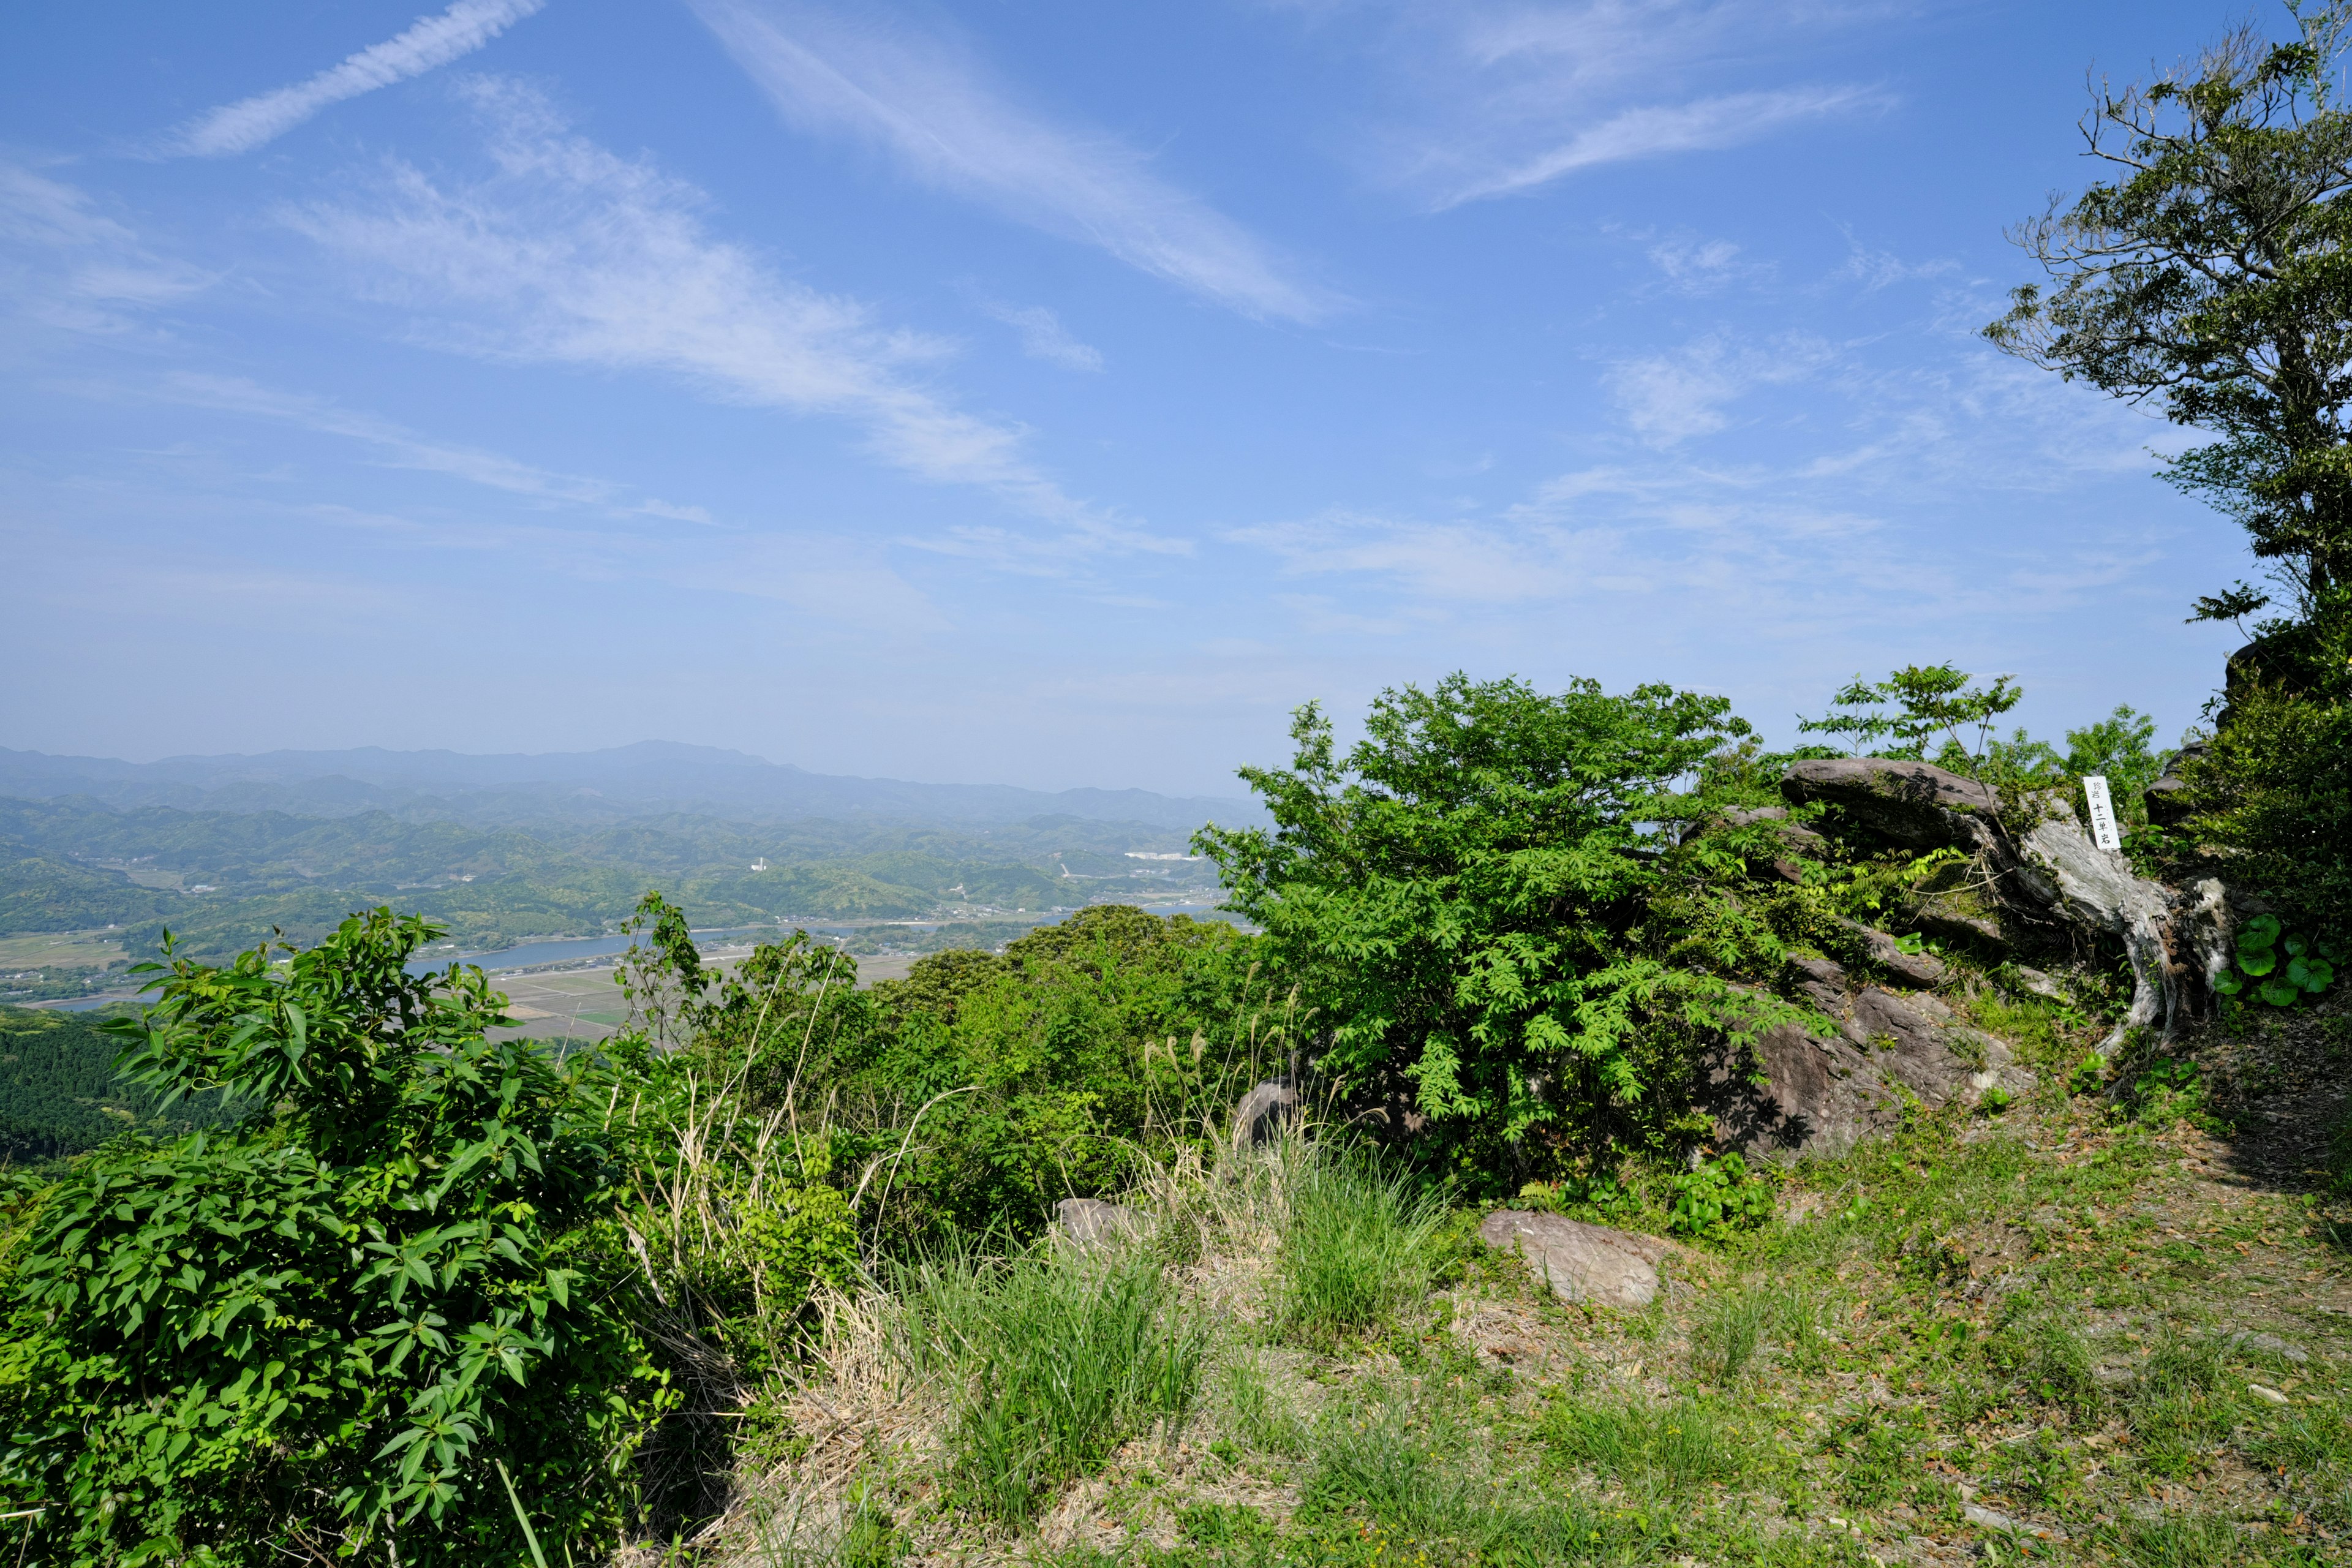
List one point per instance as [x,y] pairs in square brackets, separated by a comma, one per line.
[1053,1359]
[1730,1331]
[1675,1446]
[1357,1244]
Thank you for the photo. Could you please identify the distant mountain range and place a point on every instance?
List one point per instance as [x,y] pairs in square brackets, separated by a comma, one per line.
[579,786]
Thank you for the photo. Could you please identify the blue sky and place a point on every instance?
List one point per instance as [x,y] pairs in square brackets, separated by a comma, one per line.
[1046,392]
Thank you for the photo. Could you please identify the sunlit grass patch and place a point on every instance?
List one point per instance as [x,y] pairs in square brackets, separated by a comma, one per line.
[1357,1244]
[1054,1358]
[1676,1446]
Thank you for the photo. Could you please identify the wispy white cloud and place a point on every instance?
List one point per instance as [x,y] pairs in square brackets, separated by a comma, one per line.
[1670,397]
[402,448]
[570,255]
[930,106]
[1043,337]
[1652,131]
[432,42]
[1497,98]
[1876,269]
[63,264]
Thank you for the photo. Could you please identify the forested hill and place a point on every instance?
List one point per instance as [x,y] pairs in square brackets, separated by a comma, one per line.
[59,1095]
[578,787]
[223,879]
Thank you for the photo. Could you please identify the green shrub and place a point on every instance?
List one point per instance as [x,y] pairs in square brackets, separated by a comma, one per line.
[1502,902]
[329,1331]
[1719,1197]
[1053,1357]
[1357,1244]
[2272,964]
[2277,783]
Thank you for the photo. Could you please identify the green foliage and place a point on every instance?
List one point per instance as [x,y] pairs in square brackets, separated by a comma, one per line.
[2117,749]
[2277,785]
[61,1095]
[1052,1358]
[1499,903]
[976,1094]
[2207,277]
[2272,964]
[1719,1196]
[1926,701]
[331,1327]
[1730,1330]
[1358,1244]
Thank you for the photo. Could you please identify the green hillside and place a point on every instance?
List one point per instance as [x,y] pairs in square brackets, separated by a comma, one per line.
[223,880]
[59,1095]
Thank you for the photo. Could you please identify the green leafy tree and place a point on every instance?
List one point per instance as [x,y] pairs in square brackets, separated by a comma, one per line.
[2118,748]
[1926,700]
[2208,278]
[324,1332]
[1499,904]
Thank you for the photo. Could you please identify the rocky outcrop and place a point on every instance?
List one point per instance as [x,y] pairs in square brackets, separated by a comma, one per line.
[2048,875]
[1916,805]
[1264,1113]
[1583,1262]
[2057,868]
[1823,1093]
[2166,799]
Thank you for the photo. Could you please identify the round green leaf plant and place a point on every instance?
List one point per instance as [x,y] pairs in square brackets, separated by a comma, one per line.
[2278,966]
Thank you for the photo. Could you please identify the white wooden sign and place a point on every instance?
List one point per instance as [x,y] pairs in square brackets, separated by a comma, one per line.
[2102,812]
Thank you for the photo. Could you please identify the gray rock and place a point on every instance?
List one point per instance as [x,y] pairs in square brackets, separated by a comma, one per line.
[2268,1344]
[1092,1222]
[1949,921]
[1792,833]
[2056,868]
[2168,801]
[1918,968]
[1583,1262]
[1821,1094]
[1985,1518]
[1914,803]
[1264,1113]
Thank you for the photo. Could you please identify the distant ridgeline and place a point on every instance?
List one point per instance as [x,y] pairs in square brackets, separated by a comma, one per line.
[222,849]
[58,1094]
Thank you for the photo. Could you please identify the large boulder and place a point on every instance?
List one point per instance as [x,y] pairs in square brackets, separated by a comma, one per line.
[2050,875]
[1823,1093]
[1582,1262]
[1264,1113]
[2168,801]
[1916,805]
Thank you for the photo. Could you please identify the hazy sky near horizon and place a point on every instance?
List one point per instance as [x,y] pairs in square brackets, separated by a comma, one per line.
[1046,392]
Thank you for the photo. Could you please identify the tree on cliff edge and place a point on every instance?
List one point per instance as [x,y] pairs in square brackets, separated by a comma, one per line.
[2212,277]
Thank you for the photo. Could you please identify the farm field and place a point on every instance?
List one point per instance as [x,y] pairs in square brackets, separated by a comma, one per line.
[60,950]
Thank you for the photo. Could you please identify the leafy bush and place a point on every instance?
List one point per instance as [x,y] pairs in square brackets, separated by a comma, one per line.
[1501,908]
[2277,784]
[1048,1071]
[326,1332]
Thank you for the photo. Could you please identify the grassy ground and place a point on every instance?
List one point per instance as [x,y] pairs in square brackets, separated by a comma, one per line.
[2093,1327]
